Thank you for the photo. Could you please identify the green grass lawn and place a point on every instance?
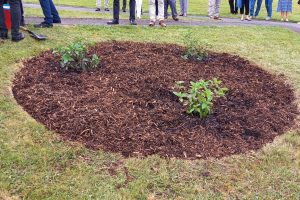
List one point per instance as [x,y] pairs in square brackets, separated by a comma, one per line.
[196,7]
[36,164]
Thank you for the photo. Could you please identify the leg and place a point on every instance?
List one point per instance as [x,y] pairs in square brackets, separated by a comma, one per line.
[166,5]
[211,8]
[252,4]
[132,9]
[124,5]
[181,7]
[269,7]
[139,8]
[3,29]
[98,3]
[242,8]
[152,10]
[185,7]
[173,8]
[258,6]
[217,8]
[54,13]
[15,9]
[45,4]
[247,7]
[116,8]
[160,10]
[231,5]
[22,14]
[105,4]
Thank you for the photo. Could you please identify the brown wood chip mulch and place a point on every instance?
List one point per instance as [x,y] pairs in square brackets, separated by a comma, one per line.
[127,105]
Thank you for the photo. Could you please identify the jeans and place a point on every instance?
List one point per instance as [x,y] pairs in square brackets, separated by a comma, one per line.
[98,3]
[214,8]
[116,8]
[252,5]
[172,4]
[183,7]
[15,12]
[50,12]
[269,7]
[233,6]
[152,10]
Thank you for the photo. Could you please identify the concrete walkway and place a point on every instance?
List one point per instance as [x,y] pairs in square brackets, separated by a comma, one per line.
[192,21]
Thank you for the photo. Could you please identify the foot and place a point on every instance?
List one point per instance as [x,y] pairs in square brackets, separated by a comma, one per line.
[43,25]
[152,23]
[20,37]
[268,18]
[133,22]
[98,9]
[185,15]
[106,9]
[113,22]
[242,18]
[3,36]
[175,18]
[181,15]
[162,23]
[286,19]
[248,18]
[217,18]
[282,19]
[57,21]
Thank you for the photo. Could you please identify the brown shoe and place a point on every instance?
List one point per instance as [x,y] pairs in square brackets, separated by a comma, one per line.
[217,18]
[152,23]
[162,23]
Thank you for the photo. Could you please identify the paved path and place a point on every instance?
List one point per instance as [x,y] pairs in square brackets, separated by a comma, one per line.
[192,21]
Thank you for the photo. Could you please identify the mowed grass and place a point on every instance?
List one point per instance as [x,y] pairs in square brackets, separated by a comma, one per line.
[37,164]
[196,7]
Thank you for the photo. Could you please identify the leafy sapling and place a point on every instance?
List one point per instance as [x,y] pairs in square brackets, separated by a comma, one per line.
[74,57]
[200,96]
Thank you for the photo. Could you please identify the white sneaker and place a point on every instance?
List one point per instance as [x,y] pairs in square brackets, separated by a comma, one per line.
[242,18]
[286,20]
[268,18]
[248,18]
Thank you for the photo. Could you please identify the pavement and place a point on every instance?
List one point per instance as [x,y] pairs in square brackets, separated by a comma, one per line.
[190,21]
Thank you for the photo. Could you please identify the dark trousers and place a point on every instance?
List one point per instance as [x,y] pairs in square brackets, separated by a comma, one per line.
[245,5]
[15,12]
[233,6]
[116,8]
[172,4]
[50,12]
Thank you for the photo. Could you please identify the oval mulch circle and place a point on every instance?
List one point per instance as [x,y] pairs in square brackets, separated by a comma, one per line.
[127,105]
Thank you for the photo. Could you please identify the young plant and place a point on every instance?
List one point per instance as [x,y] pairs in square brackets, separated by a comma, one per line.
[200,95]
[194,51]
[74,57]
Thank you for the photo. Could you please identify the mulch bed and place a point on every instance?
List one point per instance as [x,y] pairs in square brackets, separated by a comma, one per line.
[127,105]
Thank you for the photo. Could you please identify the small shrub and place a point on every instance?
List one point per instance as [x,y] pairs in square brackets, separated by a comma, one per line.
[74,57]
[200,95]
[194,51]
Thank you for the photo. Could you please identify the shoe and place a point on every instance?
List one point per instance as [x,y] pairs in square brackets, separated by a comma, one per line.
[251,17]
[268,18]
[286,19]
[43,25]
[152,23]
[20,37]
[133,22]
[181,15]
[282,19]
[248,18]
[124,10]
[242,18]
[113,22]
[185,15]
[3,36]
[106,9]
[58,21]
[217,18]
[162,23]
[175,18]
[98,9]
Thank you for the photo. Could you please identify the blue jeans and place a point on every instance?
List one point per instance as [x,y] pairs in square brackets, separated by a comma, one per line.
[252,5]
[269,7]
[50,12]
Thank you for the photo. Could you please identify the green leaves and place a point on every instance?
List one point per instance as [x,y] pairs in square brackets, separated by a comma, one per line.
[200,95]
[74,57]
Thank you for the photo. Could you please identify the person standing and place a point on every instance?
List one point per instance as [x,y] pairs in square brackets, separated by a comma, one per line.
[284,6]
[153,10]
[15,11]
[214,9]
[172,4]
[233,7]
[116,8]
[252,5]
[243,5]
[98,5]
[50,13]
[269,4]
[183,7]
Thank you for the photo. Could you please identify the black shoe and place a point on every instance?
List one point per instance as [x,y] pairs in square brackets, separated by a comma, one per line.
[106,9]
[181,15]
[98,9]
[113,22]
[133,22]
[20,37]
[3,36]
[58,21]
[175,18]
[43,25]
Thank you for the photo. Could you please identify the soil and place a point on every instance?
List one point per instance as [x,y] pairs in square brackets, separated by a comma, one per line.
[127,105]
